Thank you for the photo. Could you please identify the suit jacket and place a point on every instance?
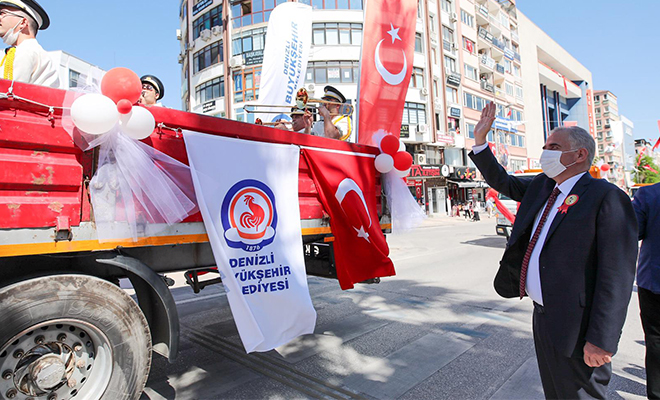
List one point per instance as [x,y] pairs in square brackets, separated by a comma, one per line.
[587,264]
[647,208]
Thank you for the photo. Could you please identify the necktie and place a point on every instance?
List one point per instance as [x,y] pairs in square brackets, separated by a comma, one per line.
[535,237]
[8,62]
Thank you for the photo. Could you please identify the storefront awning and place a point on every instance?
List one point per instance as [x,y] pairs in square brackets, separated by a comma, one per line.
[469,184]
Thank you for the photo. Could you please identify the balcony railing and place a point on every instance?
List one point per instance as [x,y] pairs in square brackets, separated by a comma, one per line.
[487,86]
[484,34]
[499,68]
[499,44]
[447,45]
[483,10]
[487,61]
[514,37]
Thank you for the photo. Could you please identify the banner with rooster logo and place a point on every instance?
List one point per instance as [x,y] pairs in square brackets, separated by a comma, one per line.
[248,196]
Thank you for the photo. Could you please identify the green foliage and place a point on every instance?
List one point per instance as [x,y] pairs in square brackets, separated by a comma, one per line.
[643,172]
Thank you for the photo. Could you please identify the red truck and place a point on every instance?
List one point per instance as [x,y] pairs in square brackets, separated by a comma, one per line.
[66,327]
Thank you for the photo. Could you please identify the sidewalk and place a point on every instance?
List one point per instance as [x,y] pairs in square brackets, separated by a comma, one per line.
[444,220]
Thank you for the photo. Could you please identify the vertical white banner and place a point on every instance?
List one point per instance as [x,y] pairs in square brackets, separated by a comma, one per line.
[248,196]
[288,41]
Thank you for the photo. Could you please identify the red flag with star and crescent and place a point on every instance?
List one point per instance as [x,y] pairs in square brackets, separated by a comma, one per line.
[346,183]
[388,46]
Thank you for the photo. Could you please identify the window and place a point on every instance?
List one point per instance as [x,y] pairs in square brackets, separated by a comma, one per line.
[337,33]
[418,42]
[450,64]
[432,22]
[246,84]
[446,6]
[209,19]
[414,114]
[597,98]
[419,9]
[516,115]
[467,18]
[509,88]
[452,95]
[600,148]
[469,128]
[599,122]
[597,111]
[469,45]
[332,72]
[447,38]
[333,4]
[208,56]
[471,72]
[474,102]
[507,65]
[435,87]
[210,90]
[516,71]
[247,41]
[248,12]
[519,92]
[74,79]
[417,80]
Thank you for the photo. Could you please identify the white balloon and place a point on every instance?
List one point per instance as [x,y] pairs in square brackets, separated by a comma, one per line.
[401,174]
[384,163]
[402,146]
[94,113]
[138,124]
[378,136]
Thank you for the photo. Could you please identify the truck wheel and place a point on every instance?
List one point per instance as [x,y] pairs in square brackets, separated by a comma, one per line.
[71,336]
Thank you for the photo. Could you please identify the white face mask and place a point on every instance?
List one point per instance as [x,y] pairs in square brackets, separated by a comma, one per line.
[11,37]
[551,162]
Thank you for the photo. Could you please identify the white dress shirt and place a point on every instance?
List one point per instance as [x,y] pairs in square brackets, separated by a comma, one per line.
[533,284]
[32,64]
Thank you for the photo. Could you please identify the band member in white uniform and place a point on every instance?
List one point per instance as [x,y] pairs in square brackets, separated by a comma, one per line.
[333,126]
[25,61]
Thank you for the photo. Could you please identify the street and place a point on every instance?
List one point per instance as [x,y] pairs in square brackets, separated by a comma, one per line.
[437,330]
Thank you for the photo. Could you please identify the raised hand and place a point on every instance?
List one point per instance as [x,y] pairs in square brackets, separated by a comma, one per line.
[484,124]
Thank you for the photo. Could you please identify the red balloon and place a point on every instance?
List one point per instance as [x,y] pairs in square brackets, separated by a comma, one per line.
[124,106]
[389,145]
[121,83]
[402,160]
[605,167]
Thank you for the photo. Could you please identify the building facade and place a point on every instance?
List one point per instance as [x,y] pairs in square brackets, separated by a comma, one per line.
[467,53]
[610,135]
[75,72]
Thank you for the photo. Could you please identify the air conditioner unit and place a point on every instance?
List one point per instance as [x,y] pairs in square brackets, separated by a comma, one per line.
[205,35]
[217,30]
[236,62]
[181,58]
[420,159]
[191,46]
[454,17]
[424,91]
[178,34]
[422,128]
[311,87]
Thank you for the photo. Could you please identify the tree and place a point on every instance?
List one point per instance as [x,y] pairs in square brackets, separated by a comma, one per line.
[646,170]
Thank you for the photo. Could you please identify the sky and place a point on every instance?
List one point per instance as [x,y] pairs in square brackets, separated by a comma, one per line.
[616,40]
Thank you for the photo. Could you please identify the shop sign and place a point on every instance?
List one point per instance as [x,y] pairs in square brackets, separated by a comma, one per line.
[445,170]
[254,57]
[424,171]
[405,131]
[455,112]
[508,53]
[505,124]
[454,79]
[208,106]
[444,139]
[466,173]
[201,6]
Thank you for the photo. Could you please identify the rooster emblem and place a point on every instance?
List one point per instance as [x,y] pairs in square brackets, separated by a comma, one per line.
[254,217]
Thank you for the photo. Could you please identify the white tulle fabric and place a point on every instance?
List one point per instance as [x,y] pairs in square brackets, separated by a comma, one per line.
[406,213]
[136,191]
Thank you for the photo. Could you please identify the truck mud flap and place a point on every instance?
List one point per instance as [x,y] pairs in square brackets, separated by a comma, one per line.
[319,259]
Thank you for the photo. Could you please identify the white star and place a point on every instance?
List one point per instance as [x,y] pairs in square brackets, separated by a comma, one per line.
[394,33]
[362,233]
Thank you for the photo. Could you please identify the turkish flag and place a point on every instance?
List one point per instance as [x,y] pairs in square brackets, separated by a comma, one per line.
[386,66]
[347,187]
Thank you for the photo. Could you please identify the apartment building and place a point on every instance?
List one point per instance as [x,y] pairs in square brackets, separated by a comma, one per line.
[610,135]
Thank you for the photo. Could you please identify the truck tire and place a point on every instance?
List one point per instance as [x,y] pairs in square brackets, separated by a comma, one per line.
[72,336]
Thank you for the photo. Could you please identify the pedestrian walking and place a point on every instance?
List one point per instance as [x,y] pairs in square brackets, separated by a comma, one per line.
[647,208]
[573,251]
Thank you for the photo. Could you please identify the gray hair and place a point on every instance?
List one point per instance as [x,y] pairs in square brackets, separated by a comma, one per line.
[578,138]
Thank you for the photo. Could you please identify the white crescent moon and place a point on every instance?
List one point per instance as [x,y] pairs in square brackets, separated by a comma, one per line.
[387,76]
[348,185]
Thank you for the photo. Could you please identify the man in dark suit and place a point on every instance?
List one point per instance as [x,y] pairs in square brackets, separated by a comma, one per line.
[647,208]
[572,250]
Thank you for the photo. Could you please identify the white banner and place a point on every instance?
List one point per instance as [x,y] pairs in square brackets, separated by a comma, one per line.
[248,195]
[288,41]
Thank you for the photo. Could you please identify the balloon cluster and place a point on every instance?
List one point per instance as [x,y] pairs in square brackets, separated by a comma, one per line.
[604,168]
[393,156]
[98,113]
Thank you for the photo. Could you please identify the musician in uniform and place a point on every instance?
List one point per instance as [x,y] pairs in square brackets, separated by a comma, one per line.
[301,121]
[25,60]
[332,125]
[152,91]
